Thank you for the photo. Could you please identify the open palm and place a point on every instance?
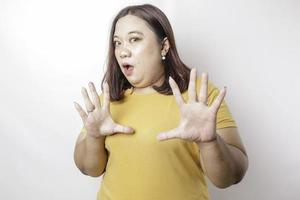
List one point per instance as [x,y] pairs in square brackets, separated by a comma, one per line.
[197,119]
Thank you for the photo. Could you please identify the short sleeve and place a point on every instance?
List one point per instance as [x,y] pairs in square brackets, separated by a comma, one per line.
[224,117]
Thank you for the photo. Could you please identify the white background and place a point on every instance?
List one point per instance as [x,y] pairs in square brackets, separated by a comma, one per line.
[50,49]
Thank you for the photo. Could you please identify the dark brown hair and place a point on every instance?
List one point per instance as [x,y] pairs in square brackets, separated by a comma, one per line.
[173,65]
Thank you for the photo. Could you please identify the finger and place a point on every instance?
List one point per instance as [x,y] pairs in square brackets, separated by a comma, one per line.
[218,101]
[192,90]
[81,112]
[203,88]
[123,129]
[95,96]
[168,135]
[87,101]
[106,97]
[176,92]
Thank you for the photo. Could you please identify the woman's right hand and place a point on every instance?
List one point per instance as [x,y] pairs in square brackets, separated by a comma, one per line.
[97,120]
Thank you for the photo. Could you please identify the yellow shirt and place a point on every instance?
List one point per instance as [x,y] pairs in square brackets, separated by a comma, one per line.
[139,166]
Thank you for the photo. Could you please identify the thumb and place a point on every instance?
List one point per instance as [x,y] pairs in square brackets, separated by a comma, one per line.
[123,129]
[167,135]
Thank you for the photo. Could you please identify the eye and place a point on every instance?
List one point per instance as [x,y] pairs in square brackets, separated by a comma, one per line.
[133,39]
[116,43]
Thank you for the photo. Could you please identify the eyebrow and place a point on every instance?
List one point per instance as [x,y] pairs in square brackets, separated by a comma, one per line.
[131,32]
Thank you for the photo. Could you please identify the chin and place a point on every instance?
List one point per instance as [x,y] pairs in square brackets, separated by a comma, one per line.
[135,83]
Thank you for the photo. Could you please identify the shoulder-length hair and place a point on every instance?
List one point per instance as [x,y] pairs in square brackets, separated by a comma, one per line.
[173,66]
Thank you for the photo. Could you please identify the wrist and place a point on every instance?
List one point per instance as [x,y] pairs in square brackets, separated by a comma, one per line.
[213,140]
[94,136]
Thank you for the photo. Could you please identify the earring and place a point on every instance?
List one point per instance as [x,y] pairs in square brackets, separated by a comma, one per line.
[163,57]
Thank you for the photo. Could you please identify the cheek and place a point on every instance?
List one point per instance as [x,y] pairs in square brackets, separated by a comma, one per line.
[116,53]
[117,57]
[148,55]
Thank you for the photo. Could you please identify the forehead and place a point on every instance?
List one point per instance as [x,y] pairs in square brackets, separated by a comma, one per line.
[130,23]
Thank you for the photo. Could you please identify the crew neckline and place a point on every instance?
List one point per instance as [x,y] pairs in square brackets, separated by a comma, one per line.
[130,92]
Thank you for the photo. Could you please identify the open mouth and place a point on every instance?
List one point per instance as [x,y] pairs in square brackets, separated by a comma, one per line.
[127,66]
[128,69]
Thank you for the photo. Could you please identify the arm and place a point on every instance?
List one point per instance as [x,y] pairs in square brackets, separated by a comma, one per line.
[222,154]
[224,160]
[90,155]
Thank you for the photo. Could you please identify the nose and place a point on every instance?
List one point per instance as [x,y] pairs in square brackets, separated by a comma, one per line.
[125,53]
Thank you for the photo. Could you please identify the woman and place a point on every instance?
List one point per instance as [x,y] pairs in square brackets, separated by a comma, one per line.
[157,129]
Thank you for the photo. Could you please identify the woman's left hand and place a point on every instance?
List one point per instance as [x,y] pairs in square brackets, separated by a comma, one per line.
[198,120]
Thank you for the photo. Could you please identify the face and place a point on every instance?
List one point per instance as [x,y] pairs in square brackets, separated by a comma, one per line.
[136,46]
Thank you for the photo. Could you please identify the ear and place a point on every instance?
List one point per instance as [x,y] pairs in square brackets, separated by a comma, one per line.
[165,46]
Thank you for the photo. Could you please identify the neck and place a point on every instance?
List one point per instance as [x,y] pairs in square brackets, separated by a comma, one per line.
[148,89]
